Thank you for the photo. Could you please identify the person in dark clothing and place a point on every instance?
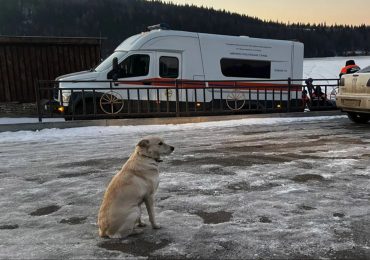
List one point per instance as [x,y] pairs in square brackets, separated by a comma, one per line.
[319,93]
[314,92]
[350,68]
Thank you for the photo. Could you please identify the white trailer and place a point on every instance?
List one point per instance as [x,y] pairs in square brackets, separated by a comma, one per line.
[157,58]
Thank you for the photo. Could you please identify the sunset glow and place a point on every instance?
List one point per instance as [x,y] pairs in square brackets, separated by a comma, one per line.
[340,12]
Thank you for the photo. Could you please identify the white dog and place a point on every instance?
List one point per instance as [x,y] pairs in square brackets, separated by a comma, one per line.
[134,184]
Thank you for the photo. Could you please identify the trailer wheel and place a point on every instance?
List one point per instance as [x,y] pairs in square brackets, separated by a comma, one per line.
[235,100]
[111,102]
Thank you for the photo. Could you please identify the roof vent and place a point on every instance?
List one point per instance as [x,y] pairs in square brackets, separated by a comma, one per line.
[160,26]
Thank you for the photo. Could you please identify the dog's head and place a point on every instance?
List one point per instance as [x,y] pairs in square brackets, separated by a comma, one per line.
[153,147]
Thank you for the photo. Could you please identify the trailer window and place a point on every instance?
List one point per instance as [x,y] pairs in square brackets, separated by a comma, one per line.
[136,65]
[246,68]
[168,67]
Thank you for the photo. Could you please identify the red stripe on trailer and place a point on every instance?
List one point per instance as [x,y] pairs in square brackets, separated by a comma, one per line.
[192,84]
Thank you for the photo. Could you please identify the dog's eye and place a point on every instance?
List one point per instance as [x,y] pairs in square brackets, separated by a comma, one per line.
[160,143]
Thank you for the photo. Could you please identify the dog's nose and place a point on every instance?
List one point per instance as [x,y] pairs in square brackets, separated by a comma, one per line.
[172,148]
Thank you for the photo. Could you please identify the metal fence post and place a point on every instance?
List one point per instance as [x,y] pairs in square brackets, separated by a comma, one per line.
[177,99]
[37,90]
[289,96]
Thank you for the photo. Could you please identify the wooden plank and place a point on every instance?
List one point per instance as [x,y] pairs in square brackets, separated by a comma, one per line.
[12,78]
[61,60]
[39,66]
[82,57]
[33,65]
[4,79]
[28,59]
[72,60]
[77,57]
[31,71]
[50,62]
[88,57]
[24,88]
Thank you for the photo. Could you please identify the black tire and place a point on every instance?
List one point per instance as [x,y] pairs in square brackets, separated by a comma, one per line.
[359,118]
[89,112]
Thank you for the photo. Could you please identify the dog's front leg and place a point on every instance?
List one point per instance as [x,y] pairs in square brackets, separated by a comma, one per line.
[149,203]
[140,222]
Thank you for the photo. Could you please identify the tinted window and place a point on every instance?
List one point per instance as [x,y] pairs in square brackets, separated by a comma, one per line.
[136,65]
[246,68]
[168,67]
[365,70]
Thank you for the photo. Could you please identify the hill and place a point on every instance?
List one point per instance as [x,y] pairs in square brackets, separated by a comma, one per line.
[118,19]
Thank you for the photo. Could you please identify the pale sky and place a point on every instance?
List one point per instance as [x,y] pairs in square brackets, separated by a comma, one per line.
[354,12]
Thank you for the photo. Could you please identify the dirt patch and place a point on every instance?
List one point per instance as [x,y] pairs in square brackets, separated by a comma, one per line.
[217,171]
[15,226]
[241,160]
[36,179]
[308,177]
[239,186]
[304,207]
[338,215]
[264,219]
[136,247]
[74,174]
[73,220]
[45,210]
[245,186]
[214,217]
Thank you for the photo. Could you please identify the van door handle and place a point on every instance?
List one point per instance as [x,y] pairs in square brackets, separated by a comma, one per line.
[147,83]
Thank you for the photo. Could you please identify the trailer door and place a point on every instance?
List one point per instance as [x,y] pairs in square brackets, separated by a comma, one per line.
[169,66]
[168,71]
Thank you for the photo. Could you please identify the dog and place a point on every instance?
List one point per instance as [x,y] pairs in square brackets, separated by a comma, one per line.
[134,184]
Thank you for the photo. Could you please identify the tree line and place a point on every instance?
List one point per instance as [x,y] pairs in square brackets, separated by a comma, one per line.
[116,20]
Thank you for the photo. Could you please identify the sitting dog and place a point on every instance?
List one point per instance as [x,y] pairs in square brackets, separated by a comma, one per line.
[134,184]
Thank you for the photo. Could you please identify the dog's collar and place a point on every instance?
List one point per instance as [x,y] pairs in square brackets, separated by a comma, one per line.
[155,159]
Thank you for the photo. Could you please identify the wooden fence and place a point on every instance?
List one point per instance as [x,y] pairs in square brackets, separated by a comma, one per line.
[25,60]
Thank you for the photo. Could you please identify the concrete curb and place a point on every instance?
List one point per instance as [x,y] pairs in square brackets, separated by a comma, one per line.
[154,121]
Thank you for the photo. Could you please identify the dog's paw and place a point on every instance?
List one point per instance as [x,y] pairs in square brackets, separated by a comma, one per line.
[156,226]
[141,224]
[116,236]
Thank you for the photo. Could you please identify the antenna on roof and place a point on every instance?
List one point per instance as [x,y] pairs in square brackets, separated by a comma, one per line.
[160,26]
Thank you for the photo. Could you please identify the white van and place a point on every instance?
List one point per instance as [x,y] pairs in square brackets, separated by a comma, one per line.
[156,58]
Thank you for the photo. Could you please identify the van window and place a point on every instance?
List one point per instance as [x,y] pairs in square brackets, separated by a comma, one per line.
[168,67]
[108,61]
[246,68]
[136,65]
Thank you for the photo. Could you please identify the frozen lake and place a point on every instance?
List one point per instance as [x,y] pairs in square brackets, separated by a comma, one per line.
[254,188]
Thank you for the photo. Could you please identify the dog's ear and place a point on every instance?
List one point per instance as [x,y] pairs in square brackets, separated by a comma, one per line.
[143,143]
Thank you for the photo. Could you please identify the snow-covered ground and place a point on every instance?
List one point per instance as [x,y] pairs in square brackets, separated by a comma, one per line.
[329,68]
[247,189]
[267,188]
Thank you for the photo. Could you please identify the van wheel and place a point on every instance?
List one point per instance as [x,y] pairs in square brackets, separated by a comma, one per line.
[89,111]
[359,117]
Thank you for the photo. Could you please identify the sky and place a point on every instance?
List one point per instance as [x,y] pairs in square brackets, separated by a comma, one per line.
[292,11]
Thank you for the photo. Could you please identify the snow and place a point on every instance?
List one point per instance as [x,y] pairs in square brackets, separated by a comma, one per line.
[96,131]
[269,188]
[252,188]
[329,68]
